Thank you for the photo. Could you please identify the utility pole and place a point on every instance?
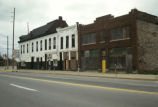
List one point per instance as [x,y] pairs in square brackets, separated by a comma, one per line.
[7,51]
[13,37]
[28,27]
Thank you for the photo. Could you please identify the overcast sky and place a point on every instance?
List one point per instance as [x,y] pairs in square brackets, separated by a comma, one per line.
[40,12]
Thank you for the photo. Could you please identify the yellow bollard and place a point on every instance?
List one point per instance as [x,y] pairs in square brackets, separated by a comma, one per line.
[104,66]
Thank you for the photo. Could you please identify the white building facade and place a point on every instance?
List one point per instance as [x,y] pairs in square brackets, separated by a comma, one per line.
[58,51]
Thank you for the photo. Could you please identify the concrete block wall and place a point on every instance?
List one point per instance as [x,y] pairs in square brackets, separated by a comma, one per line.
[147,45]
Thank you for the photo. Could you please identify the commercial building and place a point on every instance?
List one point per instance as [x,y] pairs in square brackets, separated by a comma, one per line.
[46,47]
[127,42]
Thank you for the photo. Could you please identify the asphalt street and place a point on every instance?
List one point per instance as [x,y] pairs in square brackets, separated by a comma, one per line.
[48,90]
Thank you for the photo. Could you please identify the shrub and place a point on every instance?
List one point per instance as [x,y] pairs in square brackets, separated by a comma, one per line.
[154,72]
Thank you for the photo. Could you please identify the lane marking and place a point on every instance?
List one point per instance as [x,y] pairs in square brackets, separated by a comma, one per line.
[84,85]
[18,86]
[66,78]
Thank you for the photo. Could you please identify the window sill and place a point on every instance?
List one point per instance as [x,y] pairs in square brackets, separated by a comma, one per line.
[89,44]
[102,42]
[119,39]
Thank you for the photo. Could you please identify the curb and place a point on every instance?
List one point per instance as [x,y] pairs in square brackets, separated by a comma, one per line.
[7,70]
[92,74]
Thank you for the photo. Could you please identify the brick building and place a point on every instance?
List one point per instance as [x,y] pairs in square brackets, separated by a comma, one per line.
[127,42]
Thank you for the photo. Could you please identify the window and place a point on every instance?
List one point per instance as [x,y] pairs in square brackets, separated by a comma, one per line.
[37,46]
[21,49]
[120,33]
[54,43]
[102,36]
[61,43]
[49,43]
[126,31]
[27,48]
[41,45]
[89,38]
[73,40]
[45,44]
[67,41]
[93,53]
[32,47]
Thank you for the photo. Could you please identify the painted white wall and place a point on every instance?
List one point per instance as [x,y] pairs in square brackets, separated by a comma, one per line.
[26,57]
[61,32]
[68,31]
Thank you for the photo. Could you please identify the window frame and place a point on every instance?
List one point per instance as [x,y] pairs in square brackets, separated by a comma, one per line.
[61,42]
[54,43]
[73,41]
[50,43]
[45,44]
[67,41]
[41,45]
[125,31]
[89,38]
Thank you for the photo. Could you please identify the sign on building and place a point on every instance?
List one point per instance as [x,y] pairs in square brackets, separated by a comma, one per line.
[16,53]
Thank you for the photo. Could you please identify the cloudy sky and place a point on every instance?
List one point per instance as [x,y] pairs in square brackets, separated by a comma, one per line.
[40,12]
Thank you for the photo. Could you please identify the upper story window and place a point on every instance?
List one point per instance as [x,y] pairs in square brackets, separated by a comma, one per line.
[41,45]
[67,41]
[32,47]
[49,43]
[27,48]
[89,38]
[61,43]
[45,44]
[54,43]
[73,40]
[37,46]
[102,36]
[21,49]
[120,33]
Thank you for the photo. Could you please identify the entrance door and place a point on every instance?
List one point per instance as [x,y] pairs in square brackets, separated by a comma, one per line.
[66,64]
[46,64]
[61,63]
[41,63]
[128,63]
[32,62]
[37,63]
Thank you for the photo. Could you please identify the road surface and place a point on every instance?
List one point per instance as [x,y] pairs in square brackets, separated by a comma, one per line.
[48,90]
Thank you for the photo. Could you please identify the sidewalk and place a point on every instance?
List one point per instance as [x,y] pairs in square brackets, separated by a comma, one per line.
[91,74]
